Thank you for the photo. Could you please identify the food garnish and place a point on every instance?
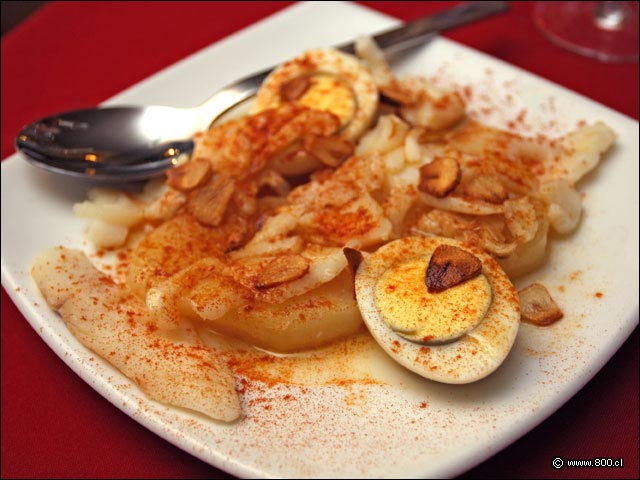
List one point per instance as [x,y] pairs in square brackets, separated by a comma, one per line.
[282,269]
[439,177]
[209,203]
[189,175]
[450,266]
[537,306]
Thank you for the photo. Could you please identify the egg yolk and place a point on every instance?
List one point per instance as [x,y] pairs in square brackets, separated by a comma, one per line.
[328,92]
[408,308]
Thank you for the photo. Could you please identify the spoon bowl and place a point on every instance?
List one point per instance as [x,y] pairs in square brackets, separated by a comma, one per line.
[113,143]
[131,143]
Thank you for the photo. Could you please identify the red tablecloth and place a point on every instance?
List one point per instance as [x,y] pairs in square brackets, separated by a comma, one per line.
[73,54]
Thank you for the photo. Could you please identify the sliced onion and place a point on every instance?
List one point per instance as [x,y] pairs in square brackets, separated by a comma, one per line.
[584,148]
[459,205]
[388,134]
[521,219]
[565,204]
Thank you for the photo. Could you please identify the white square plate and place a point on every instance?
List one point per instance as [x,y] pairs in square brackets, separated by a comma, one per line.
[418,429]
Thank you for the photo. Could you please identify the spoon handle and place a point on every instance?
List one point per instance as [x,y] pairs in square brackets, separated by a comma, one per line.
[419,30]
[399,38]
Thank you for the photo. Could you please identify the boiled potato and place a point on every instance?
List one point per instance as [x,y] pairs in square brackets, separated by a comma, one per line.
[110,206]
[322,315]
[174,245]
[106,235]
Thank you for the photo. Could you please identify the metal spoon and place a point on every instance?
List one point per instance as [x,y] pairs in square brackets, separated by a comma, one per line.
[128,143]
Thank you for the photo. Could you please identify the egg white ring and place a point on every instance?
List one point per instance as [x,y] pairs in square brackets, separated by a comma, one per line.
[325,61]
[468,359]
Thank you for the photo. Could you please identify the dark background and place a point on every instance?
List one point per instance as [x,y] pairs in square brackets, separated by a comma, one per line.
[14,12]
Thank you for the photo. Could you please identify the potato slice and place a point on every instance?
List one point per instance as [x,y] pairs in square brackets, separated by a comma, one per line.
[106,235]
[174,245]
[110,206]
[306,321]
[116,325]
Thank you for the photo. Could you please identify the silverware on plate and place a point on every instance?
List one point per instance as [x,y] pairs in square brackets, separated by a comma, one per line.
[129,143]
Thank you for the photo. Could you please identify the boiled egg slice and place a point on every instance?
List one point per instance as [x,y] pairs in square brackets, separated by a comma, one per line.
[324,79]
[456,335]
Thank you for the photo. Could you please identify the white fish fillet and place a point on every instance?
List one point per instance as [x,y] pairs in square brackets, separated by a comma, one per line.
[115,324]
